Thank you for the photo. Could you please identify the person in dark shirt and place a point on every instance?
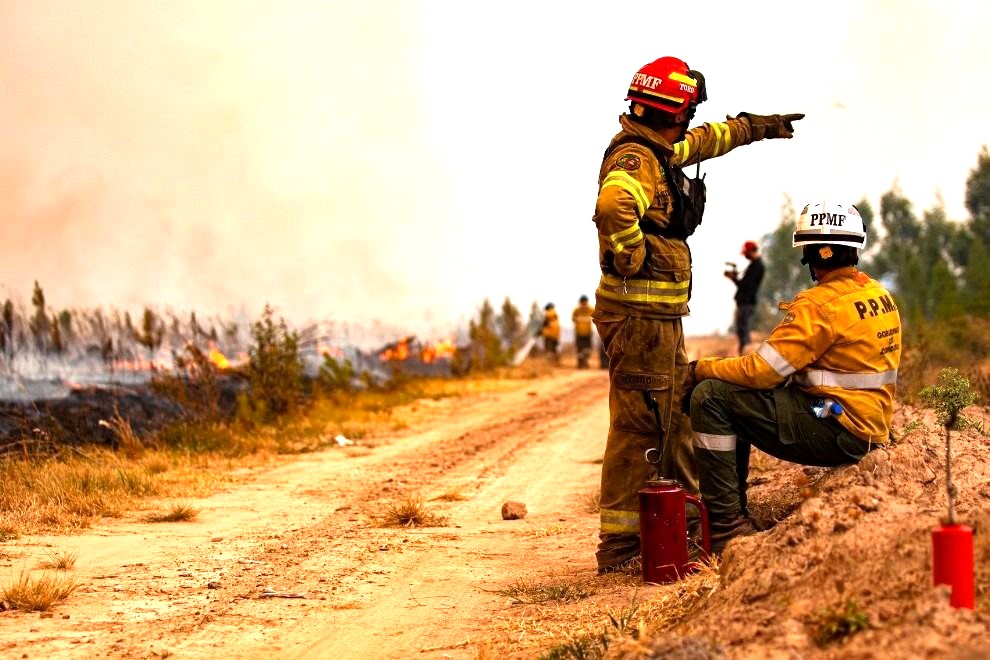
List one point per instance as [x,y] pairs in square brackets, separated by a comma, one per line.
[746,288]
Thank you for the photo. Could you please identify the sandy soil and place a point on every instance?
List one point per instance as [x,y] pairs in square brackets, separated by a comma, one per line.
[195,589]
[312,528]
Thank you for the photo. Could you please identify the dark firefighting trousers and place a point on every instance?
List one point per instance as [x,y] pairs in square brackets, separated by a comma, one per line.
[729,419]
[582,344]
[644,355]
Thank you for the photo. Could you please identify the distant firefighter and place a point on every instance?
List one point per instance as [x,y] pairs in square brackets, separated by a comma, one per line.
[747,287]
[582,331]
[550,331]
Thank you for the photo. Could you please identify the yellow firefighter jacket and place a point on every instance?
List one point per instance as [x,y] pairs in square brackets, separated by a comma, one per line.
[582,319]
[645,274]
[551,325]
[839,339]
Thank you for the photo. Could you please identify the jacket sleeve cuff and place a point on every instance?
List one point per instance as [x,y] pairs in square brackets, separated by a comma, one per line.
[703,370]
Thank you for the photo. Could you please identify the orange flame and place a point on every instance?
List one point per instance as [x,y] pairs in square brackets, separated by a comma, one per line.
[218,359]
[396,352]
[437,350]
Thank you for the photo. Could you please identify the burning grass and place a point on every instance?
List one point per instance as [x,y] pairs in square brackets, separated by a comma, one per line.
[34,593]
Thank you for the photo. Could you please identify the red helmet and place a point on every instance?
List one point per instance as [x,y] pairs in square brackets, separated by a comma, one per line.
[750,246]
[668,85]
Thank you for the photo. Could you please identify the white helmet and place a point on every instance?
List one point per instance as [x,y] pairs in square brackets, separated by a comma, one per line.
[835,224]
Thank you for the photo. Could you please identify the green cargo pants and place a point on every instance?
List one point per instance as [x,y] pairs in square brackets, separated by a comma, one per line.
[644,356]
[727,419]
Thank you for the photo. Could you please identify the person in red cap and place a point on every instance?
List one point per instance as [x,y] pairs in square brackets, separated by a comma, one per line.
[747,287]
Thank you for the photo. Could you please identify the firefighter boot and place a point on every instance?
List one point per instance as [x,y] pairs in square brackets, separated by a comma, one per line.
[617,552]
[725,529]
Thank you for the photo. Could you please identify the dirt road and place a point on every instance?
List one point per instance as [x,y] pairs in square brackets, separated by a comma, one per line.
[312,528]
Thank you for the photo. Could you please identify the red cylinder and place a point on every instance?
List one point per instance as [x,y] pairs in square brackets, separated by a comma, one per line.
[663,531]
[952,563]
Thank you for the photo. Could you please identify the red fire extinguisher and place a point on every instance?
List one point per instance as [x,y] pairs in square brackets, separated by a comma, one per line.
[952,544]
[663,529]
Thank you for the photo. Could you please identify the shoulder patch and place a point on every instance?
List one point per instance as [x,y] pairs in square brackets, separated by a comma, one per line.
[628,162]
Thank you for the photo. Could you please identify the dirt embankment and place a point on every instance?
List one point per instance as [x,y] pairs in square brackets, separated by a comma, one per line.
[858,534]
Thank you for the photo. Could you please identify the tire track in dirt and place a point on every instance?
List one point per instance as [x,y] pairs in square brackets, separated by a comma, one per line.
[310,527]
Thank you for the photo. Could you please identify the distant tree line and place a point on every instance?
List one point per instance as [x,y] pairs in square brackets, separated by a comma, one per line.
[494,338]
[110,335]
[937,268]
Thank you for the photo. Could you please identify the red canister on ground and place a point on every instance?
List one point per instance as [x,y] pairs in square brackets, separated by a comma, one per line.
[952,563]
[663,531]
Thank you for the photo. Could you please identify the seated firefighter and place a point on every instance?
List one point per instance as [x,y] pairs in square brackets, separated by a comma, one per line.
[820,389]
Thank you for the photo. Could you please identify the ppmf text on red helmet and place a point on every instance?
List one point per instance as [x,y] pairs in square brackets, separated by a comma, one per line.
[667,84]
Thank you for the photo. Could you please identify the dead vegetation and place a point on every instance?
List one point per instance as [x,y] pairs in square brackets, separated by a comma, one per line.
[592,502]
[528,591]
[65,493]
[33,593]
[59,560]
[176,513]
[411,511]
[75,487]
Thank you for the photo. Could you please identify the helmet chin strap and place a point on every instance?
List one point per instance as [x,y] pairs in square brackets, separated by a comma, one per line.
[811,269]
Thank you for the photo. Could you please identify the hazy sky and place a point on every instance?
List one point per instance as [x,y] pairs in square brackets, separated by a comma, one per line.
[403,160]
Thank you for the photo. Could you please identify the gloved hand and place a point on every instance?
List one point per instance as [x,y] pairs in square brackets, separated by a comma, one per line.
[770,126]
[690,382]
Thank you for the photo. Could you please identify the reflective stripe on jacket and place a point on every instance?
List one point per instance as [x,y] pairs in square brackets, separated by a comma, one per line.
[839,339]
[633,192]
[582,319]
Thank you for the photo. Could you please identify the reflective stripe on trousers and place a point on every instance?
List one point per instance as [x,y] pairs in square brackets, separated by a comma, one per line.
[619,522]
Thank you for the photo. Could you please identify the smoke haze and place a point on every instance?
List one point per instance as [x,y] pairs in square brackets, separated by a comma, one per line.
[401,161]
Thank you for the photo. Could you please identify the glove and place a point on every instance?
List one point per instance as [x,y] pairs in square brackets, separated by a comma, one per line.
[690,382]
[770,126]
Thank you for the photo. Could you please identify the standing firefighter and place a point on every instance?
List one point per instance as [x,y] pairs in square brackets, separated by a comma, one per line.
[838,348]
[550,331]
[646,209]
[582,331]
[747,287]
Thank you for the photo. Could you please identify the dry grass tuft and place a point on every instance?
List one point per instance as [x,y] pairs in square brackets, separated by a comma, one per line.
[8,531]
[126,440]
[526,591]
[552,530]
[455,494]
[33,594]
[61,560]
[178,513]
[592,502]
[595,626]
[411,512]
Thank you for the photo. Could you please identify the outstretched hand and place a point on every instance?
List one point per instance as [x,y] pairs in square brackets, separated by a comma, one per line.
[770,126]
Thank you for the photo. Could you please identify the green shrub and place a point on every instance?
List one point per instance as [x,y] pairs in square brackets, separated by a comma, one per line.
[337,375]
[275,370]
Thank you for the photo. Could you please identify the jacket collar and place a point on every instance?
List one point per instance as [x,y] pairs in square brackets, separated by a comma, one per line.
[631,127]
[846,271]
